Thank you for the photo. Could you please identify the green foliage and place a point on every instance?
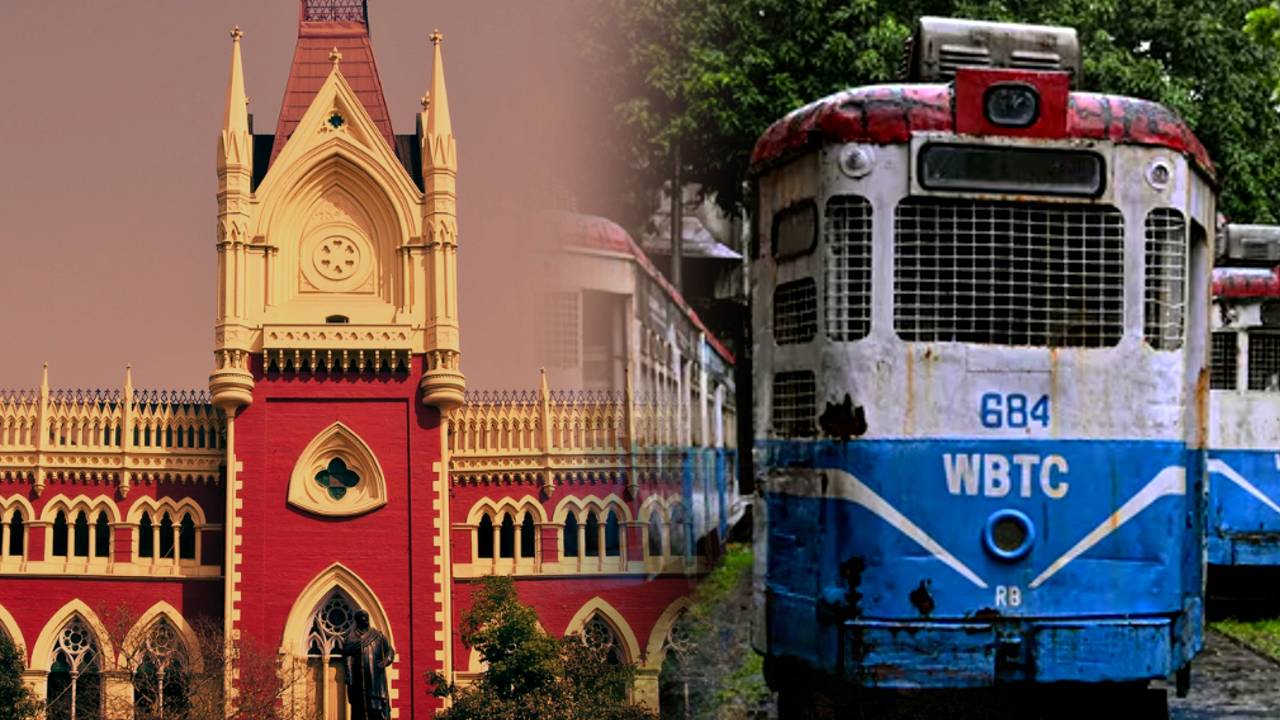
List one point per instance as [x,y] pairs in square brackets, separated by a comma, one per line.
[1261,635]
[711,658]
[715,74]
[16,701]
[532,675]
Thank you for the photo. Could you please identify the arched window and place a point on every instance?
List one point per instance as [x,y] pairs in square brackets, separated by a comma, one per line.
[187,538]
[60,534]
[166,536]
[507,537]
[527,545]
[80,535]
[570,536]
[484,538]
[160,680]
[593,535]
[655,534]
[599,635]
[333,619]
[673,678]
[146,538]
[102,536]
[679,533]
[612,536]
[74,685]
[17,535]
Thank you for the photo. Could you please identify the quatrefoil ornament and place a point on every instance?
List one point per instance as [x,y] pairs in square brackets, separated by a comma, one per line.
[337,478]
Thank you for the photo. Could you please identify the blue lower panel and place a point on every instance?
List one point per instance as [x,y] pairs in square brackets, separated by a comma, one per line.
[1243,520]
[924,654]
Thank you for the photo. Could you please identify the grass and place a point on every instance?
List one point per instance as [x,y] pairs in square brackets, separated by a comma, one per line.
[1261,635]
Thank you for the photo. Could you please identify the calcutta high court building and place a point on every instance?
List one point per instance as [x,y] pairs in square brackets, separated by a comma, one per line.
[337,461]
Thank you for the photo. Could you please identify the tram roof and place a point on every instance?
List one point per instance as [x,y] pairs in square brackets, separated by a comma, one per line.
[890,114]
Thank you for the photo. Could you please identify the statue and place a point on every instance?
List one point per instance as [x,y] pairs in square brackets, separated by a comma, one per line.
[366,655]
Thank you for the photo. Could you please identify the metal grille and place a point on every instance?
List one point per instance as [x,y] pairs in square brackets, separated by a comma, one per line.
[1009,273]
[847,231]
[795,311]
[1222,361]
[558,341]
[1165,297]
[1264,361]
[335,11]
[795,402]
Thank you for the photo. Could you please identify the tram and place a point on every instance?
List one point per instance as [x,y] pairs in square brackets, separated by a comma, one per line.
[1244,437]
[979,333]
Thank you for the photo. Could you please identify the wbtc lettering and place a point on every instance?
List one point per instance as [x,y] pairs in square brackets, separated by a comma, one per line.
[991,474]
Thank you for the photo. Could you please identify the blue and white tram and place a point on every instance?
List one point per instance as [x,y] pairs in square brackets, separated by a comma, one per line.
[1244,436]
[980,330]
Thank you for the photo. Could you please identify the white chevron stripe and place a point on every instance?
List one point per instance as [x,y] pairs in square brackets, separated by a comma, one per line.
[1169,481]
[844,485]
[1225,470]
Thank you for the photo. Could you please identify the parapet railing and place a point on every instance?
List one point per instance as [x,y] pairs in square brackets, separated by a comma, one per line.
[117,435]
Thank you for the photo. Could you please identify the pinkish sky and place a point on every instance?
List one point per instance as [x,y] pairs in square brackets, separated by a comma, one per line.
[107,192]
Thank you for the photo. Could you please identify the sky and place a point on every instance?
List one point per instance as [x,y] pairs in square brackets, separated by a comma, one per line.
[107,187]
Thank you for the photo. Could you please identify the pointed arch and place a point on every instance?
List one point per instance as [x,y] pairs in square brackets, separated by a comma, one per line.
[10,626]
[162,610]
[516,506]
[73,505]
[653,652]
[41,656]
[338,576]
[599,606]
[337,441]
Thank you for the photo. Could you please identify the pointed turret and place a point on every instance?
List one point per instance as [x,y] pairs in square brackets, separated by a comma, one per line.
[437,110]
[231,383]
[443,384]
[236,146]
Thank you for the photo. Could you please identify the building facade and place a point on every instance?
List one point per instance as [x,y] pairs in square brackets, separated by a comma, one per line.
[337,461]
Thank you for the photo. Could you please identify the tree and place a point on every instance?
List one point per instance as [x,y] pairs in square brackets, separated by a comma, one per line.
[530,674]
[16,700]
[712,75]
[182,675]
[711,671]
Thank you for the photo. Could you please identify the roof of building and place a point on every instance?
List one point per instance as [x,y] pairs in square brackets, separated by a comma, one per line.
[348,33]
[889,114]
[599,233]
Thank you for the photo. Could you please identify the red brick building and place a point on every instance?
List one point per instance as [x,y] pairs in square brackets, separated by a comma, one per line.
[337,462]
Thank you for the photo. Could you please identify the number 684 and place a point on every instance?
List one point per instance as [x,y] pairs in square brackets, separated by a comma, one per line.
[1013,410]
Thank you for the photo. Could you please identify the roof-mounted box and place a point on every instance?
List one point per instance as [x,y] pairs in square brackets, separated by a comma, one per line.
[941,45]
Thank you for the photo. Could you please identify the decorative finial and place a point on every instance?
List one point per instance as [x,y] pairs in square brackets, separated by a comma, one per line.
[335,57]
[236,34]
[426,101]
[436,37]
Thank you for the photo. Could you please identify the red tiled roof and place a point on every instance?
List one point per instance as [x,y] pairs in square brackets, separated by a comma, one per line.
[598,233]
[311,65]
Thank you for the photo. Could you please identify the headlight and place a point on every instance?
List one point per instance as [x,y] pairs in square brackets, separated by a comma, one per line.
[1012,104]
[1008,535]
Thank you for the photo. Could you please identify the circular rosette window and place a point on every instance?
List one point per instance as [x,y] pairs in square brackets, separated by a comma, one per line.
[337,475]
[337,257]
[1008,535]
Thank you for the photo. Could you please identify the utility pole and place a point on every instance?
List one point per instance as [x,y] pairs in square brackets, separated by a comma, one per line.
[677,220]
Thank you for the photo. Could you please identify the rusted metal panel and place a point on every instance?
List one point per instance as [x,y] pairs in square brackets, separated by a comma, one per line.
[891,114]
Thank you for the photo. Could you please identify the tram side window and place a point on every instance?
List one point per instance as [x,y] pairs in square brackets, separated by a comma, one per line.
[1165,297]
[795,403]
[1222,362]
[847,236]
[795,230]
[795,312]
[1264,361]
